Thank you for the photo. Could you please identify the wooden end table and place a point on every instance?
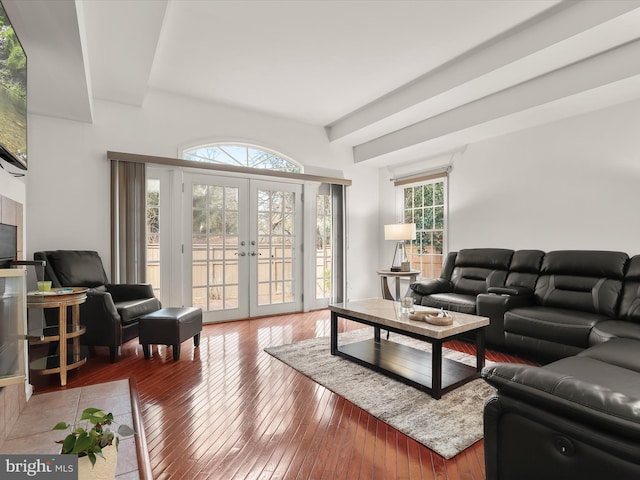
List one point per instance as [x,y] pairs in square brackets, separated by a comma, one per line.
[385,274]
[60,298]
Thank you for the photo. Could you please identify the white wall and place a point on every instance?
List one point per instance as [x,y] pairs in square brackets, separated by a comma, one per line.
[572,184]
[68,178]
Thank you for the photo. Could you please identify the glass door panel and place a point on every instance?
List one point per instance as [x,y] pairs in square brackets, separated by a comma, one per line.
[278,229]
[214,249]
[244,247]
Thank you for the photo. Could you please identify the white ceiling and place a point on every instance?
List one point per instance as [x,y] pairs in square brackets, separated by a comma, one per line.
[394,80]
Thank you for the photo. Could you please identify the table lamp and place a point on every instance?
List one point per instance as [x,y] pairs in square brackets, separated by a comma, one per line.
[400,232]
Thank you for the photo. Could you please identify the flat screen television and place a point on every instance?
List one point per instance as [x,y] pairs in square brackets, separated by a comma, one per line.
[13,95]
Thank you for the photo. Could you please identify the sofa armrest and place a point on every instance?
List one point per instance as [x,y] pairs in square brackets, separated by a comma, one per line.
[516,290]
[123,292]
[434,285]
[100,316]
[495,306]
[567,396]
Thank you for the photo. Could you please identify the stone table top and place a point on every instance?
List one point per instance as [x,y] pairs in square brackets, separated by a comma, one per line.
[389,313]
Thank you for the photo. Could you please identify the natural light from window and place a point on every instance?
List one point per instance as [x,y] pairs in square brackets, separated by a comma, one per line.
[239,155]
[424,204]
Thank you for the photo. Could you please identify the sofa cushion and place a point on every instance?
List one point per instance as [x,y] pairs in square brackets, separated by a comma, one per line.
[605,331]
[131,310]
[526,261]
[557,325]
[586,280]
[589,382]
[585,263]
[475,280]
[586,294]
[490,258]
[622,352]
[477,269]
[78,268]
[455,302]
[524,268]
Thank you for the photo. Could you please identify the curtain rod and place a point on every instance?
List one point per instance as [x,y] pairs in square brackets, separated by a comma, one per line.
[422,177]
[177,162]
[430,174]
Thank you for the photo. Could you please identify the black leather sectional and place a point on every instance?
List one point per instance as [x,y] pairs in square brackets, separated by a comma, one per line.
[544,305]
[579,416]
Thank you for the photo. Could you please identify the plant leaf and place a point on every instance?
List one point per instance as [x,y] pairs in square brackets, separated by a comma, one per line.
[69,443]
[88,412]
[61,426]
[83,443]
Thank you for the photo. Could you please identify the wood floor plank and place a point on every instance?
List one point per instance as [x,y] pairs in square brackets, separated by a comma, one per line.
[228,410]
[413,457]
[396,461]
[333,444]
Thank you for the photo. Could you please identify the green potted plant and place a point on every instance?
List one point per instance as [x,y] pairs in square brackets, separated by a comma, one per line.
[93,439]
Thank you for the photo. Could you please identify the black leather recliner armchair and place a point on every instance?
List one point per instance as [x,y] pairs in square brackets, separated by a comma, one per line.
[111,311]
[465,275]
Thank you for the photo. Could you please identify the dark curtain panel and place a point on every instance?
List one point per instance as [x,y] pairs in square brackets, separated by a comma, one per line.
[128,224]
[338,248]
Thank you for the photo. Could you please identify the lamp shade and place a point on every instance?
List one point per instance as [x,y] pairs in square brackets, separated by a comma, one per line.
[400,231]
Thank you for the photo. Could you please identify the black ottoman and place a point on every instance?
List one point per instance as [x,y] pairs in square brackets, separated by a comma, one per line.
[170,326]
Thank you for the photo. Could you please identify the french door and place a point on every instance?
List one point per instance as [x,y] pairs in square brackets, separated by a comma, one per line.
[243,243]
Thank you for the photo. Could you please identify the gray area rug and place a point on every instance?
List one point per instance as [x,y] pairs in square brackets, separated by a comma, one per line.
[446,426]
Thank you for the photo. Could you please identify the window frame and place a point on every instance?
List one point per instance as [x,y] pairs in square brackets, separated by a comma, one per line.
[434,267]
[325,230]
[153,260]
[295,167]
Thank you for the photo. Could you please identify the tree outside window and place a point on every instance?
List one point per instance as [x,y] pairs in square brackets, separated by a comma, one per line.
[153,234]
[323,244]
[424,205]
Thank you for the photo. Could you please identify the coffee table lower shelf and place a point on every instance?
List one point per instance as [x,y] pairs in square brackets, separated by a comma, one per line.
[408,365]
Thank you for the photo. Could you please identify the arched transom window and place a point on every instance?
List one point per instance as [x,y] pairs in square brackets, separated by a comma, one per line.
[241,156]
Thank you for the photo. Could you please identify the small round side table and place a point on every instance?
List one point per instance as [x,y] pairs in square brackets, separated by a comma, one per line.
[60,298]
[385,274]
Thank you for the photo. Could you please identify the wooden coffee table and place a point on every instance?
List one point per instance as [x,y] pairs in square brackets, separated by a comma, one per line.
[428,371]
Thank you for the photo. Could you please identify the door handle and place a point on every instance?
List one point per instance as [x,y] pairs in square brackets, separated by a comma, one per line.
[253,254]
[242,254]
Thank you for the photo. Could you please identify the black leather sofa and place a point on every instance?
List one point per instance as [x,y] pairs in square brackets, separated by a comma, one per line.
[574,419]
[579,416]
[544,305]
[111,311]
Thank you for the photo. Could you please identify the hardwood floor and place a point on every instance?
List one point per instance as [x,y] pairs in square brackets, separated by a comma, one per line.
[228,410]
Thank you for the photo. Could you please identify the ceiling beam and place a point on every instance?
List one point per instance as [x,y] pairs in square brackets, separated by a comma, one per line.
[120,70]
[606,68]
[455,82]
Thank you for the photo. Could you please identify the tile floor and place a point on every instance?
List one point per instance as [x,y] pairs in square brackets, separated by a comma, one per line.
[32,432]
